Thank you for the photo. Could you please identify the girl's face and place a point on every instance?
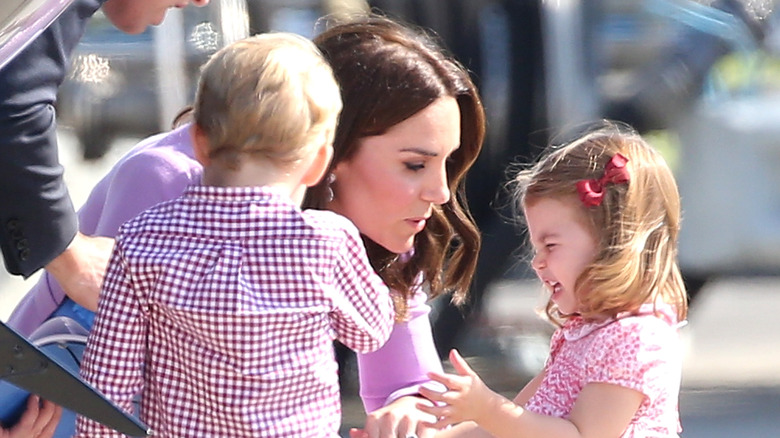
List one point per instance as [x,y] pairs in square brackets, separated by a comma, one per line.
[389,187]
[563,246]
[133,16]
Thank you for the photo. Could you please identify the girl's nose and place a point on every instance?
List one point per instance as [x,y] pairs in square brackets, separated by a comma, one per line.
[538,261]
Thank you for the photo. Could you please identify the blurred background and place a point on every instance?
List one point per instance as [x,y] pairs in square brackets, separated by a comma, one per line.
[700,79]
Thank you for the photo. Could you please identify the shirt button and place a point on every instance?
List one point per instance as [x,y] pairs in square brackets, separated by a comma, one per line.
[24,254]
[21,244]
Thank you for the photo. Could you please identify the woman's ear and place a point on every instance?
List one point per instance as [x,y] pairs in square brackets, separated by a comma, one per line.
[319,165]
[200,144]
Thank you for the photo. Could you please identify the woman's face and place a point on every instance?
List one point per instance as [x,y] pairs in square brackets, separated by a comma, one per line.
[389,187]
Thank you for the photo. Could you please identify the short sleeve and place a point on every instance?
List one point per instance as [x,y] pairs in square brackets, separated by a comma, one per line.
[637,353]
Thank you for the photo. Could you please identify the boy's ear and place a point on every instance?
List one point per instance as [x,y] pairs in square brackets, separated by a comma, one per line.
[319,165]
[200,144]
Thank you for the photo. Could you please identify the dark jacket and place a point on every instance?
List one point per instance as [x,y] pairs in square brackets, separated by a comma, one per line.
[37,218]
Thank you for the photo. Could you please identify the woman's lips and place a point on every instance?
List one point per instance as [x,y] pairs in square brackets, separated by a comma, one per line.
[417,223]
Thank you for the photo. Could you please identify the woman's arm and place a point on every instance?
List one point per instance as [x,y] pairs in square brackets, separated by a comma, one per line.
[390,377]
[403,363]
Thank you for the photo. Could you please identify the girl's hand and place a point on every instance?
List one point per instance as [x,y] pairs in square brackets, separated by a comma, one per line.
[466,398]
[39,420]
[401,418]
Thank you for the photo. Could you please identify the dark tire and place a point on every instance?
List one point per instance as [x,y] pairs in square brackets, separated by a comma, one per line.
[694,285]
[94,143]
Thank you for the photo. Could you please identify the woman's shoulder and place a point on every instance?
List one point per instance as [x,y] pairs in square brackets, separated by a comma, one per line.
[172,149]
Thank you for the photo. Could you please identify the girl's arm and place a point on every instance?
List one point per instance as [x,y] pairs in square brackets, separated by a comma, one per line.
[528,390]
[601,411]
[471,429]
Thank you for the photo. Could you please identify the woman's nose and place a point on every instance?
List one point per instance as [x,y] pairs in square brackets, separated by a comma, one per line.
[436,190]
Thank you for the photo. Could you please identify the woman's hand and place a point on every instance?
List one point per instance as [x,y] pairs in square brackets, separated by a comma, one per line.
[39,420]
[401,418]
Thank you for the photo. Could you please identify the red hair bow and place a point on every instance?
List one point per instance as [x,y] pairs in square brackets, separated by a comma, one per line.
[592,190]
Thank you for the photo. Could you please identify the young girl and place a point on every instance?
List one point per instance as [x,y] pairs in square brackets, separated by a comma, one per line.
[603,216]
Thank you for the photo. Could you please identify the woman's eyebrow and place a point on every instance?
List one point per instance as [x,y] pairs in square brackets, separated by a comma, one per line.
[421,151]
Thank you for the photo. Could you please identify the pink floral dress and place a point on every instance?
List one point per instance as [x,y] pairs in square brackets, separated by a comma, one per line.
[640,351]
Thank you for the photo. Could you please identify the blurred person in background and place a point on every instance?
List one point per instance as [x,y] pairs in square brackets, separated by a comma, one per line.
[411,127]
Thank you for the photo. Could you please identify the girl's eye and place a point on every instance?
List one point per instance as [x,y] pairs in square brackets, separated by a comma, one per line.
[414,166]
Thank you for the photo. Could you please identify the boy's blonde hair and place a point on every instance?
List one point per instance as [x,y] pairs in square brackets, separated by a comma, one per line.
[636,225]
[271,95]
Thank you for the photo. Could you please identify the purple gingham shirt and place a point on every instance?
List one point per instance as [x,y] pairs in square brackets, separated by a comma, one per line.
[220,308]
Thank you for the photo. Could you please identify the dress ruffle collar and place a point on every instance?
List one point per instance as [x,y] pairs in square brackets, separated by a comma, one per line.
[578,327]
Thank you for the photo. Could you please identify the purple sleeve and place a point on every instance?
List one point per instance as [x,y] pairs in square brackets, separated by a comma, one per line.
[402,364]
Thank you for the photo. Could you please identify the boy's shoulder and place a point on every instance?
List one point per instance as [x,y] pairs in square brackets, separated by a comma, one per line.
[157,215]
[329,222]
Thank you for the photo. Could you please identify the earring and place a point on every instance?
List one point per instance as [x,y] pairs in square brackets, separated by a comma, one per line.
[328,188]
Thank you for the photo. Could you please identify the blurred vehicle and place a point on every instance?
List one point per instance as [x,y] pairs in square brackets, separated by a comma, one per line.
[546,69]
[542,68]
[691,77]
[112,89]
[119,84]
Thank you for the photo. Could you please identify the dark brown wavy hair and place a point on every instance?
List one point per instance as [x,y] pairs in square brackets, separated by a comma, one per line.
[388,72]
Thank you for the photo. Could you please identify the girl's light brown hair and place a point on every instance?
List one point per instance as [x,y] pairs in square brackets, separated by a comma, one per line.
[636,225]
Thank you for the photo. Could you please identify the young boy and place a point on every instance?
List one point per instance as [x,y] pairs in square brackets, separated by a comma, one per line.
[220,307]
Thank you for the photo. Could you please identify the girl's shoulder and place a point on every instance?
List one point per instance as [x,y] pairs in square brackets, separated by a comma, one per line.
[650,321]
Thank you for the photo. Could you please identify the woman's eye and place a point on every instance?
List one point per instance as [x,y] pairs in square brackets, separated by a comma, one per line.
[415,166]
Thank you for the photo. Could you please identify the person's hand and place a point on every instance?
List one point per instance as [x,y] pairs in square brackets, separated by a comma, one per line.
[81,267]
[467,397]
[39,420]
[401,418]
